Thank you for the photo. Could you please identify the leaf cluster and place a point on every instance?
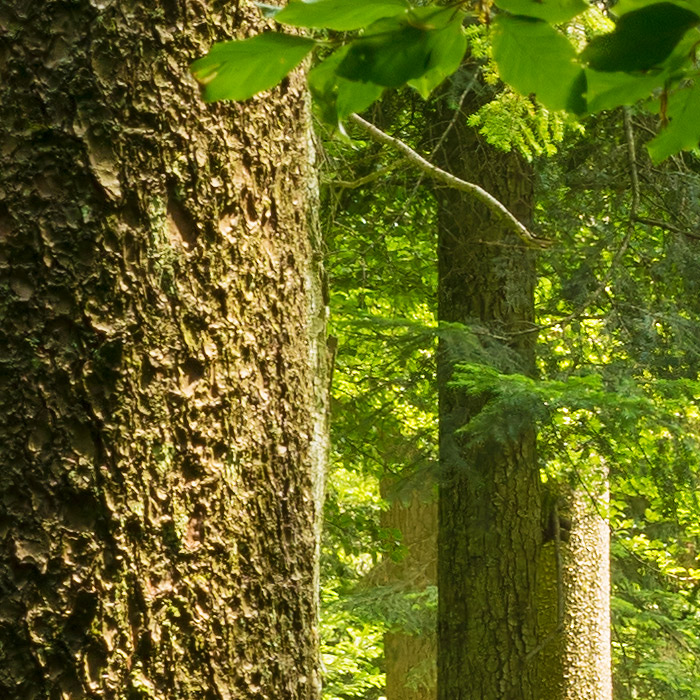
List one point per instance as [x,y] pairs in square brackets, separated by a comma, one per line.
[373,45]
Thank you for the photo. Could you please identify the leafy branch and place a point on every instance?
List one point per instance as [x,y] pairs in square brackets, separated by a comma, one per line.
[390,43]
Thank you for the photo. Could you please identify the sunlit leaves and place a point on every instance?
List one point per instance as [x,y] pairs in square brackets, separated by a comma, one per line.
[623,7]
[511,121]
[646,52]
[683,130]
[237,70]
[553,11]
[536,59]
[396,50]
[400,44]
[340,15]
[421,50]
[609,90]
[397,44]
[448,45]
[395,53]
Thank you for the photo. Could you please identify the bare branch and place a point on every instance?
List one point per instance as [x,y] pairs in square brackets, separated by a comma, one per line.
[443,176]
[666,226]
[632,158]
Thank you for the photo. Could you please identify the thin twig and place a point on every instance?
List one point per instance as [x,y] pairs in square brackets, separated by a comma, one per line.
[563,322]
[634,175]
[351,185]
[458,112]
[578,313]
[633,218]
[666,226]
[632,157]
[445,133]
[443,176]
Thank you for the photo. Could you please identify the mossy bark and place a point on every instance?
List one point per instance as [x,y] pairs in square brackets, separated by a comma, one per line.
[161,363]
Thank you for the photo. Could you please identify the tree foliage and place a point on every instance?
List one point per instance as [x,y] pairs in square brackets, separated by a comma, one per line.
[539,48]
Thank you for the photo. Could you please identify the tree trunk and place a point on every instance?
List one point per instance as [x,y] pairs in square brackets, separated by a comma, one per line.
[574,658]
[518,619]
[161,363]
[410,658]
[489,505]
[588,660]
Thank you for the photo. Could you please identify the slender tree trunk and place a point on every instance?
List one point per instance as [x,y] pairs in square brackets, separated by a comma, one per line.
[587,624]
[162,428]
[410,658]
[574,656]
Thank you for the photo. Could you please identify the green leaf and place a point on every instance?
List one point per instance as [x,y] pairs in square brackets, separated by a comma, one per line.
[532,57]
[237,70]
[553,11]
[624,7]
[609,90]
[341,15]
[683,131]
[336,97]
[389,58]
[395,50]
[641,40]
[448,47]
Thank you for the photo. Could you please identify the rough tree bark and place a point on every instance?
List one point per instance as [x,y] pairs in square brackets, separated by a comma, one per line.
[587,660]
[489,504]
[488,522]
[573,657]
[519,618]
[161,363]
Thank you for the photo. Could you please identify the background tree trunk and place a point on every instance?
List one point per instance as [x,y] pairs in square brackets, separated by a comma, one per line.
[518,618]
[162,424]
[573,658]
[587,623]
[410,659]
[489,504]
